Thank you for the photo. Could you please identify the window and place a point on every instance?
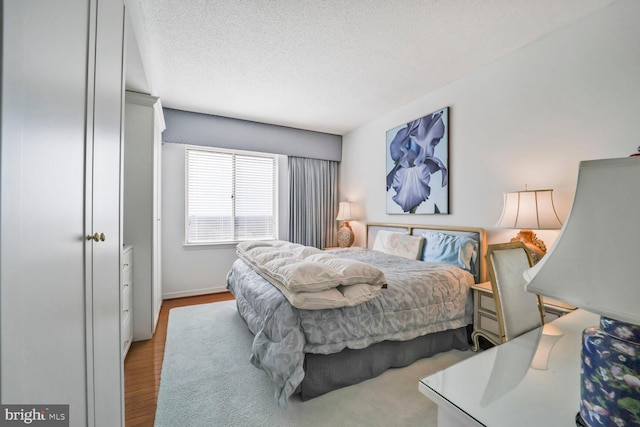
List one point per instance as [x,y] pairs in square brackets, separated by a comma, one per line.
[231,196]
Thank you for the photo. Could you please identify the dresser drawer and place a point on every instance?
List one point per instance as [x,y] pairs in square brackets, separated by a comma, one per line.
[126,334]
[127,276]
[127,267]
[125,305]
[127,257]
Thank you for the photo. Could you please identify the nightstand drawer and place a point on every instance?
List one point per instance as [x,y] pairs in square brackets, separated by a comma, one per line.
[488,324]
[550,317]
[487,302]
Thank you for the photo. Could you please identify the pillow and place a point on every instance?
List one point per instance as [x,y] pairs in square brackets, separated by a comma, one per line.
[461,251]
[401,244]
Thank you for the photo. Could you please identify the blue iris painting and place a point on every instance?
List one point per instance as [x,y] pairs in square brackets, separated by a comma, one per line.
[417,172]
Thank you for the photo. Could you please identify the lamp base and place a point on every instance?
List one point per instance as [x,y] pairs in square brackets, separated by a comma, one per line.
[345,235]
[536,247]
[610,375]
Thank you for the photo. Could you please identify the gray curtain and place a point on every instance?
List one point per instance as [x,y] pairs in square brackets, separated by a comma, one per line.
[313,201]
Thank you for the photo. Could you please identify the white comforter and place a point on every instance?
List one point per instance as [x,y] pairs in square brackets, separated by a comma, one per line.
[310,278]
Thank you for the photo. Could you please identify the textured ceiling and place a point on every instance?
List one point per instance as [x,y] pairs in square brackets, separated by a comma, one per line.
[329,65]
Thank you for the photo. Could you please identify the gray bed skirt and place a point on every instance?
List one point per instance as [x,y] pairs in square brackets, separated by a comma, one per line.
[324,373]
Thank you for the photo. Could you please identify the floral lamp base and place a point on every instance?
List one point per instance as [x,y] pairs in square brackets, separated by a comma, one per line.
[345,235]
[610,375]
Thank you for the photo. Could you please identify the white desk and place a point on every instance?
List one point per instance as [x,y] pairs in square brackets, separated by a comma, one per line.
[498,387]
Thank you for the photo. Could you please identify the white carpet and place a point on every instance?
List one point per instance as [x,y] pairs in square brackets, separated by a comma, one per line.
[207,380]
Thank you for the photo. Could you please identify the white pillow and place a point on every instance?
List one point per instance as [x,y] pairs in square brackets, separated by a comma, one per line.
[400,244]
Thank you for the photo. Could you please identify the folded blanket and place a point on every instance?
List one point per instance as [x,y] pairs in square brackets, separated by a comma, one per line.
[310,278]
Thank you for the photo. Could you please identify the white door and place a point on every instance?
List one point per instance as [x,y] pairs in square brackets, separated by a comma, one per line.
[104,199]
[157,232]
[61,114]
[42,313]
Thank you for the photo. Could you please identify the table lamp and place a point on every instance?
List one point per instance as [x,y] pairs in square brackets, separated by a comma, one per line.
[594,266]
[526,210]
[345,233]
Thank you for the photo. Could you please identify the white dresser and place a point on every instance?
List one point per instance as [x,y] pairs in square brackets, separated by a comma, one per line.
[126,315]
[144,123]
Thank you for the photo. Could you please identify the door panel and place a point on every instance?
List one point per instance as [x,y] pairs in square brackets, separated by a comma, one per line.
[59,293]
[106,198]
[42,313]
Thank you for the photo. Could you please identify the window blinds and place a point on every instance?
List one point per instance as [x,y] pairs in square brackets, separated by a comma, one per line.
[231,196]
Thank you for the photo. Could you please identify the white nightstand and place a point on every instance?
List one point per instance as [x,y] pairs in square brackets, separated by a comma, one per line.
[485,319]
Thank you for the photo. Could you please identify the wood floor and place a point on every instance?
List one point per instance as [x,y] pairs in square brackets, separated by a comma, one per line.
[144,361]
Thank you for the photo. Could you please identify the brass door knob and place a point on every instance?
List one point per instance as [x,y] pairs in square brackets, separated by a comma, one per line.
[97,237]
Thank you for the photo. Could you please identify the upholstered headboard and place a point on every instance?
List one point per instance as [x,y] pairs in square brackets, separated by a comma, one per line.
[475,233]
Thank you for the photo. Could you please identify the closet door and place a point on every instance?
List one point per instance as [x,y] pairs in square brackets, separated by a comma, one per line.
[42,187]
[158,127]
[104,215]
[60,165]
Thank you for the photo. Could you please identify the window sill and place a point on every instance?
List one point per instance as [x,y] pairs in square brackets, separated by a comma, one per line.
[221,245]
[203,246]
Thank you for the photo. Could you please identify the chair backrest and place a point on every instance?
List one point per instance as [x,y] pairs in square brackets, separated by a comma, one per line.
[518,310]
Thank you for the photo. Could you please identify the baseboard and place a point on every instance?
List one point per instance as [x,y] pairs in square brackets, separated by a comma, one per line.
[192,293]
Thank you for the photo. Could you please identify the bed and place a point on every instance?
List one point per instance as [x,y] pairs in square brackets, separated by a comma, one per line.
[423,308]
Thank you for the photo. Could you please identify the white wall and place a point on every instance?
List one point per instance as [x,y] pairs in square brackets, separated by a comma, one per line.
[195,270]
[528,118]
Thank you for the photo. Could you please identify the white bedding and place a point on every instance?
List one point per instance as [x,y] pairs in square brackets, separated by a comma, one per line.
[310,278]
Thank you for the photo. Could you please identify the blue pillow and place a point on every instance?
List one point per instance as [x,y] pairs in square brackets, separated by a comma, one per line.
[461,251]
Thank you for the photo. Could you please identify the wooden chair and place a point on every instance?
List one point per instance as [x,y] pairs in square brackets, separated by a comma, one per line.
[518,311]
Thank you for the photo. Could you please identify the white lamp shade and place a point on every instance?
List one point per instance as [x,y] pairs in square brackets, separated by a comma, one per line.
[594,262]
[529,210]
[345,212]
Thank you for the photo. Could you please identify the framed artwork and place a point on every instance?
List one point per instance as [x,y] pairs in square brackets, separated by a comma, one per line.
[418,166]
